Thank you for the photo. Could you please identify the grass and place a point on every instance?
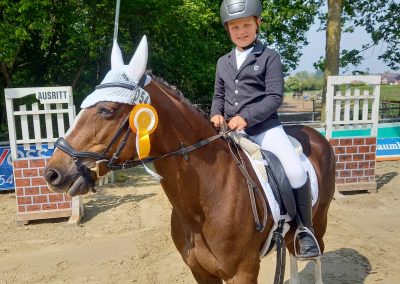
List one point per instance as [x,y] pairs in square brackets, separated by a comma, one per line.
[390,93]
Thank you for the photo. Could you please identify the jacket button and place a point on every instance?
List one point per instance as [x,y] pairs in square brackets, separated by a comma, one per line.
[236,104]
[236,91]
[236,81]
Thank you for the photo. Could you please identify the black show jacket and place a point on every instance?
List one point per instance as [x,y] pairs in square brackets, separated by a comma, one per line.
[254,92]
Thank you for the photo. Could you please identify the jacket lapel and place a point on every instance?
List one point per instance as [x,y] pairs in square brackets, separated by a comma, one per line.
[232,60]
[251,58]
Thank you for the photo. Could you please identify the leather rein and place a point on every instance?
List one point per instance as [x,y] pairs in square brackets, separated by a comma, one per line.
[110,164]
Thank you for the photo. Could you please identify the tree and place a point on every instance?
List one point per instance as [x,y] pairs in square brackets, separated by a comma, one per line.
[285,25]
[333,35]
[380,20]
[52,43]
[68,42]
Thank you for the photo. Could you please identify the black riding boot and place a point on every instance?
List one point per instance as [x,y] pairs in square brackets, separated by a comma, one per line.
[308,245]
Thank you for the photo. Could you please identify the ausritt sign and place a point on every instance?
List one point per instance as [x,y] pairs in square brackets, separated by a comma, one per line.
[53,96]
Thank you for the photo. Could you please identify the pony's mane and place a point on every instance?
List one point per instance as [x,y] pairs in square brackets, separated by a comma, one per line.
[176,93]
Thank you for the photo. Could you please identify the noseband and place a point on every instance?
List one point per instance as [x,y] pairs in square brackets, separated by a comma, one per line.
[100,158]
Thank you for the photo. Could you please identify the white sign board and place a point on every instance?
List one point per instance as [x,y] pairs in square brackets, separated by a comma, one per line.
[55,110]
[53,96]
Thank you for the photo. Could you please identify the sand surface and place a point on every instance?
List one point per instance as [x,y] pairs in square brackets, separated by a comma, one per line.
[124,237]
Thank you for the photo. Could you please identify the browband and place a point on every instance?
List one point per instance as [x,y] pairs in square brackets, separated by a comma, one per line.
[117,84]
[124,85]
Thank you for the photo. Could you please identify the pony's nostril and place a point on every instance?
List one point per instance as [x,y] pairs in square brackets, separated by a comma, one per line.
[53,176]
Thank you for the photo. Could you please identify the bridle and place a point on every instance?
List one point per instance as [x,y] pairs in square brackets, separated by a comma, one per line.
[103,164]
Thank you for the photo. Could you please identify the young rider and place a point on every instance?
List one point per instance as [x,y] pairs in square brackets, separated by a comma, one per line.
[248,92]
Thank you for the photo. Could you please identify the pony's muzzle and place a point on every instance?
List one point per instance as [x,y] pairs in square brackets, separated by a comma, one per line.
[53,177]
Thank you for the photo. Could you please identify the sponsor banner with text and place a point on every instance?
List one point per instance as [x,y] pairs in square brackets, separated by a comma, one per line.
[6,169]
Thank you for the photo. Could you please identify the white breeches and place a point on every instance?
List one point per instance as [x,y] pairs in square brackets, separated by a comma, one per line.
[276,141]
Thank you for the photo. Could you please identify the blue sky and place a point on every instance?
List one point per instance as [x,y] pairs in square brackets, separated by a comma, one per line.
[316,49]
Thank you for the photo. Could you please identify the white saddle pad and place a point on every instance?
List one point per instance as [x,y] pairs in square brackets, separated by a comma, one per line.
[252,151]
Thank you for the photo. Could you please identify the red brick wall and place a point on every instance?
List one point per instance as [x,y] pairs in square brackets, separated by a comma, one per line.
[34,199]
[355,159]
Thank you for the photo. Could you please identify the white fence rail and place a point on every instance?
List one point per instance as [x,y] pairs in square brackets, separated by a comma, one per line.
[24,123]
[356,108]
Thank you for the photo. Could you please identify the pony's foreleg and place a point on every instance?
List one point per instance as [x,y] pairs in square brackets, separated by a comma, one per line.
[203,279]
[294,270]
[318,271]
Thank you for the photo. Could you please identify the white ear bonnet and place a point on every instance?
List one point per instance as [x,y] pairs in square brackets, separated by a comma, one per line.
[121,84]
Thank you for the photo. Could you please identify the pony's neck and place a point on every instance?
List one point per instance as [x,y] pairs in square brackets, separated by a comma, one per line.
[179,121]
[186,182]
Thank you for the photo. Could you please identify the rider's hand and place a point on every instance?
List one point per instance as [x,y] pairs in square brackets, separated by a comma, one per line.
[237,123]
[217,120]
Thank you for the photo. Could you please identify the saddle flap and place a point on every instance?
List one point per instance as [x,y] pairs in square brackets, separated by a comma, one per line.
[270,168]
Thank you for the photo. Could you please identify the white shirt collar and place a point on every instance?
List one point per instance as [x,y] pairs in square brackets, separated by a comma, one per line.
[241,56]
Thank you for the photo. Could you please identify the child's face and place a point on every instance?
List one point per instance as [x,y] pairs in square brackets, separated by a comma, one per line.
[243,31]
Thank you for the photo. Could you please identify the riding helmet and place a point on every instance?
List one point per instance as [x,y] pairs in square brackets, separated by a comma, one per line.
[235,9]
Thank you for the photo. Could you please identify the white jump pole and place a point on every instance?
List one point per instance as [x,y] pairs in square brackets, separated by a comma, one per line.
[116,20]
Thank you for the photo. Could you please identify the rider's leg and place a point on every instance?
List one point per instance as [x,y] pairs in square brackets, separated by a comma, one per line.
[308,245]
[276,141]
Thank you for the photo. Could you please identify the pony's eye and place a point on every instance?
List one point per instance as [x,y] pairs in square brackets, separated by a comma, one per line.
[106,111]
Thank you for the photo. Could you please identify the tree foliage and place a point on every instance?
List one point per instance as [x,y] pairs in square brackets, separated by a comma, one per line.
[285,25]
[68,42]
[304,81]
[48,43]
[380,19]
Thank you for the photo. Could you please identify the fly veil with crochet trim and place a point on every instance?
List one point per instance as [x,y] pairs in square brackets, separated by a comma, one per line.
[123,75]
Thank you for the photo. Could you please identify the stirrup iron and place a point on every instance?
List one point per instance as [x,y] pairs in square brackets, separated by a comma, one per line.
[307,231]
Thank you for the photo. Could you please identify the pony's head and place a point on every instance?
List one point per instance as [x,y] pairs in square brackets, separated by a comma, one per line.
[100,134]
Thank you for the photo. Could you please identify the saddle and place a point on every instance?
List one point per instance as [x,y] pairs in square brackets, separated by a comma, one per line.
[271,169]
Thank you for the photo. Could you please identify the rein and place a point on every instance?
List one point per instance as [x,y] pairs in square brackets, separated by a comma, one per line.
[102,162]
[251,185]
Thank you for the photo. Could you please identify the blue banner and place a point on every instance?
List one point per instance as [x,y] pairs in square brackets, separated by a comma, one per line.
[6,169]
[388,148]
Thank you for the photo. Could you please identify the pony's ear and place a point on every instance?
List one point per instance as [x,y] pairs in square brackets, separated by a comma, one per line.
[137,66]
[116,56]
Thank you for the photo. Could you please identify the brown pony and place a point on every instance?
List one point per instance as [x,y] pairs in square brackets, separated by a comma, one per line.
[212,223]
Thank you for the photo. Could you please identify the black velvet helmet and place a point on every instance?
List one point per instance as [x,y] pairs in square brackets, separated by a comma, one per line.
[235,9]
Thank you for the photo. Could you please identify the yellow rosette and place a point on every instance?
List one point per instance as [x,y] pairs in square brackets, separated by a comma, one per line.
[143,121]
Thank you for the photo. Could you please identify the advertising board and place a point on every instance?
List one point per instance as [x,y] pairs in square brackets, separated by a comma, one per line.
[6,169]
